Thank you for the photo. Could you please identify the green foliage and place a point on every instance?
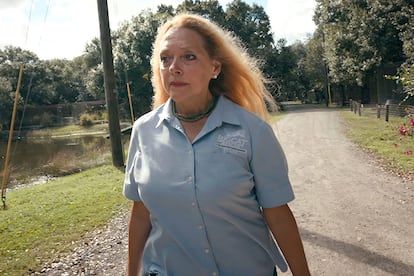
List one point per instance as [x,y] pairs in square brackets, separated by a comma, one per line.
[104,116]
[405,75]
[315,66]
[132,53]
[94,82]
[211,9]
[6,101]
[252,25]
[44,221]
[16,55]
[359,36]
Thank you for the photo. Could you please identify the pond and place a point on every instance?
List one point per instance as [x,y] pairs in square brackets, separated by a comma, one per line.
[40,159]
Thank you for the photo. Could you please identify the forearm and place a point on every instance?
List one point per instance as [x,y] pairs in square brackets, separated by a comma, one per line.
[139,228]
[284,229]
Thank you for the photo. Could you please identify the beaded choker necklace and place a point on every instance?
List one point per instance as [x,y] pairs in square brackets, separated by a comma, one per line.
[195,117]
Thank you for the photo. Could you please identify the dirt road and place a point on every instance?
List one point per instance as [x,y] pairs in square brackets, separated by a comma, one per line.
[355,218]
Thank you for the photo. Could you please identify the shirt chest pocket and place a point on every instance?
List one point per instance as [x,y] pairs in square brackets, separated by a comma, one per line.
[231,156]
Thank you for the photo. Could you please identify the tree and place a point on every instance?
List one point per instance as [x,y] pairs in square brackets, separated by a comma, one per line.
[405,75]
[90,72]
[252,25]
[282,69]
[298,78]
[10,60]
[92,56]
[6,101]
[132,54]
[315,67]
[210,9]
[359,36]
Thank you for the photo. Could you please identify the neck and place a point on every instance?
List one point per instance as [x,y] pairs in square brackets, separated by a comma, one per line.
[196,116]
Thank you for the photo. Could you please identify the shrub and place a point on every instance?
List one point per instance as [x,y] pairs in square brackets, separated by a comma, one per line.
[104,116]
[86,120]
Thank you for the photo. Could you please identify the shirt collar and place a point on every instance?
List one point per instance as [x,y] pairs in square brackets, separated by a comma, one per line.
[165,113]
[224,112]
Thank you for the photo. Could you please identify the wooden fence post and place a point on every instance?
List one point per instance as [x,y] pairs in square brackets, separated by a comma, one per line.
[387,112]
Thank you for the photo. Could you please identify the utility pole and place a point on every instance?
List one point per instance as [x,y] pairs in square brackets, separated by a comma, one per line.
[109,80]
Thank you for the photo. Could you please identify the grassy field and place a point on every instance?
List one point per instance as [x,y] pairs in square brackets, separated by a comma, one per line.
[45,220]
[73,130]
[383,139]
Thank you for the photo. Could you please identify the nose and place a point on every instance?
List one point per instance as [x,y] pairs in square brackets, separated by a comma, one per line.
[175,67]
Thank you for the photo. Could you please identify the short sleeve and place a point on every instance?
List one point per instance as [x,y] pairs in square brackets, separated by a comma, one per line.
[130,189]
[269,166]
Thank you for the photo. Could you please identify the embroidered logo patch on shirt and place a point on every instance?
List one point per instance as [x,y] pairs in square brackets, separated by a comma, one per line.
[234,142]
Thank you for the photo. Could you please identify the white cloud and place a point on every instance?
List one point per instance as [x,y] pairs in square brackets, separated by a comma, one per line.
[61,28]
[291,19]
[74,24]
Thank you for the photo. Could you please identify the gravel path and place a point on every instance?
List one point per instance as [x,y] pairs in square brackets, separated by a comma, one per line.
[103,252]
[355,218]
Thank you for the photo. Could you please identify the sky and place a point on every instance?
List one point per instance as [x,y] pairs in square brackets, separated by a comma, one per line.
[61,28]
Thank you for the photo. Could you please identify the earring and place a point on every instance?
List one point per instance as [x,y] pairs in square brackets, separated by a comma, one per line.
[214,77]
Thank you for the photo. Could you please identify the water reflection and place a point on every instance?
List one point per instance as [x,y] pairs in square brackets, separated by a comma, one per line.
[34,158]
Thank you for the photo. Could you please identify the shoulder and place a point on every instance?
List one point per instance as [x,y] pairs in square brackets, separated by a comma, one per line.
[148,120]
[243,116]
[149,116]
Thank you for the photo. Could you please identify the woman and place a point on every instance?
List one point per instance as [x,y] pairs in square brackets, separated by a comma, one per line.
[207,176]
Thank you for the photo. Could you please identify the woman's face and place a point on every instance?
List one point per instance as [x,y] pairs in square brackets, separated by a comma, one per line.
[186,68]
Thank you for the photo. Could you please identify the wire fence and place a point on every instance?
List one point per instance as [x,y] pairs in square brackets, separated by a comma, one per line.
[382,111]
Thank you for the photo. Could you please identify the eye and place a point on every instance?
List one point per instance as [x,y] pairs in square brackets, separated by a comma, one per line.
[165,61]
[190,57]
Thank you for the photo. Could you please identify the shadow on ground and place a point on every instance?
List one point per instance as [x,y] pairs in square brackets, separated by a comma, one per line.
[358,253]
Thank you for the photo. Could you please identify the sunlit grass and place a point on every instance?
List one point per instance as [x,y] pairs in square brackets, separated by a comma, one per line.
[383,139]
[73,130]
[45,220]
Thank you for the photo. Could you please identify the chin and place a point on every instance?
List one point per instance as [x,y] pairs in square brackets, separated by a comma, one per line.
[177,96]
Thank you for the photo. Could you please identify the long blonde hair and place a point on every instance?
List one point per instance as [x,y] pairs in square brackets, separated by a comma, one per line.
[240,78]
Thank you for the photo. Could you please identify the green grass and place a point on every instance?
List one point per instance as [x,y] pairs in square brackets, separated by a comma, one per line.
[45,220]
[73,130]
[382,139]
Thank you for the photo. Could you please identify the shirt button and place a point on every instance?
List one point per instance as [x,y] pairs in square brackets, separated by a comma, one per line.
[193,204]
[214,273]
[190,178]
[200,227]
[206,250]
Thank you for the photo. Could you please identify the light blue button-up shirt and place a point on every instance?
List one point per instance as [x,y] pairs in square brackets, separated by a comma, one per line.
[205,197]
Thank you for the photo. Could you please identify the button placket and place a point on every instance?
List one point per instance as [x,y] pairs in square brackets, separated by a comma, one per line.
[204,245]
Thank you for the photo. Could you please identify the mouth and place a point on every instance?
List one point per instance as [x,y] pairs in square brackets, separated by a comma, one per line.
[177,84]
